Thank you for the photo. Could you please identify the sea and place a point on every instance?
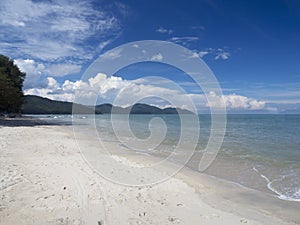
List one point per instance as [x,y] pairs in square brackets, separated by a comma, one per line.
[260,152]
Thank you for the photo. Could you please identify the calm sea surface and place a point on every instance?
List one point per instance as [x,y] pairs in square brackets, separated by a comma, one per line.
[261,152]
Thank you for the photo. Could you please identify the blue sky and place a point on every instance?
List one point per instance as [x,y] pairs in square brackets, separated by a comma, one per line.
[251,46]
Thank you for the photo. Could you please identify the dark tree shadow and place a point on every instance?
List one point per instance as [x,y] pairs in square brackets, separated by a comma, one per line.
[30,122]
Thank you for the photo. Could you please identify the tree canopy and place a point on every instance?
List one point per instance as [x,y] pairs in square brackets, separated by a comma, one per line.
[11,83]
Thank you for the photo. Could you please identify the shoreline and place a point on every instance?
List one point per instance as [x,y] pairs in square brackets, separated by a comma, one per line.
[42,167]
[245,199]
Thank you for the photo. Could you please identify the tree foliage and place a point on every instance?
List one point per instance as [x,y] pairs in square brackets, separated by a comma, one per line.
[11,83]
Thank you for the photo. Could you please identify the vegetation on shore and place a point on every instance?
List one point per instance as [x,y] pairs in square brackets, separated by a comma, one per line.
[11,83]
[39,105]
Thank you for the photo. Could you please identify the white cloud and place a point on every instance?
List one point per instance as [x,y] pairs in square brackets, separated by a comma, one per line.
[200,54]
[106,89]
[104,44]
[32,69]
[53,90]
[222,55]
[17,23]
[53,30]
[26,65]
[103,84]
[112,54]
[233,101]
[216,53]
[164,30]
[184,40]
[36,70]
[62,69]
[157,57]
[53,84]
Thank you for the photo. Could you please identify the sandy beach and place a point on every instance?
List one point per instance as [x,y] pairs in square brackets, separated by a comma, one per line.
[44,179]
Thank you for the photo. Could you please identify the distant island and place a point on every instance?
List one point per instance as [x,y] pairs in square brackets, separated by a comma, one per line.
[39,105]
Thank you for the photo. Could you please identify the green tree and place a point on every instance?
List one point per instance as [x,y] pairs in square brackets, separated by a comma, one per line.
[11,83]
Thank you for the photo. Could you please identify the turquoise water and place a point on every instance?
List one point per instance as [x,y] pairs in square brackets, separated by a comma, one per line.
[261,152]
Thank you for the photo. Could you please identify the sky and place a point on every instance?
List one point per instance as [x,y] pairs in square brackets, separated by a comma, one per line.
[252,48]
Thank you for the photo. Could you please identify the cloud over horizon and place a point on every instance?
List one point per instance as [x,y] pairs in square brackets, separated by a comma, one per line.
[36,71]
[55,41]
[107,88]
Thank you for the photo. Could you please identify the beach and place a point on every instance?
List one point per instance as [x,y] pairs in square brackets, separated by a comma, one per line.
[45,179]
[149,112]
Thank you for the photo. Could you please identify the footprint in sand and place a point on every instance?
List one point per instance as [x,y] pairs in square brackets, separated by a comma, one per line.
[9,178]
[136,221]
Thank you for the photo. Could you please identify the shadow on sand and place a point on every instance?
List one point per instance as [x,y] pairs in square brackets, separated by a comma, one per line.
[30,122]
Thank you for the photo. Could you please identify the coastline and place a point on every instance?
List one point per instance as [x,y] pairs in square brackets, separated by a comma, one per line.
[47,181]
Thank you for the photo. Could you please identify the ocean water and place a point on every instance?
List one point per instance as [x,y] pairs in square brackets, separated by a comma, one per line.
[261,152]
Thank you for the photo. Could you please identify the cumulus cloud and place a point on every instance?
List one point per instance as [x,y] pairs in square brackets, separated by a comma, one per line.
[217,54]
[53,85]
[222,55]
[100,85]
[32,69]
[102,88]
[200,54]
[233,101]
[164,30]
[157,57]
[35,71]
[53,90]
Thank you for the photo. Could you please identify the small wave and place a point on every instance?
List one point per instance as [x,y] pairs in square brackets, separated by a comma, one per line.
[142,153]
[294,197]
[263,176]
[255,169]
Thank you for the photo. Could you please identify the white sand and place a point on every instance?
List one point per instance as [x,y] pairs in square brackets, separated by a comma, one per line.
[45,180]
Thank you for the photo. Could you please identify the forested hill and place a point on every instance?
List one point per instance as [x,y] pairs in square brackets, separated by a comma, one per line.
[39,105]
